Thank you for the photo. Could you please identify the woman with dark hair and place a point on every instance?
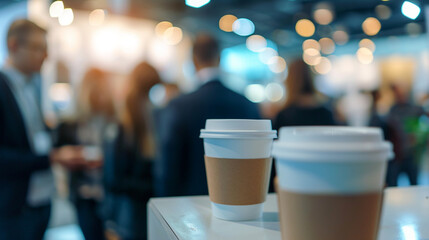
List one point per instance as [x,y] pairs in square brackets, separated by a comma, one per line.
[303,104]
[129,153]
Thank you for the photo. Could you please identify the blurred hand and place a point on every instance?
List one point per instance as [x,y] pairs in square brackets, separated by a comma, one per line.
[92,164]
[70,157]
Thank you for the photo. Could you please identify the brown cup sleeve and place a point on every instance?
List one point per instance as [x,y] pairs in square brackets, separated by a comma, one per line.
[238,181]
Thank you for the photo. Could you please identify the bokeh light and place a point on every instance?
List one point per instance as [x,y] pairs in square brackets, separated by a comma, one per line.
[324,66]
[266,55]
[364,55]
[311,56]
[367,43]
[305,28]
[255,93]
[157,94]
[96,17]
[383,12]
[341,37]
[173,36]
[323,16]
[371,26]
[243,27]
[413,29]
[274,92]
[196,3]
[277,64]
[162,27]
[225,22]
[256,43]
[66,17]
[327,45]
[310,43]
[56,9]
[410,10]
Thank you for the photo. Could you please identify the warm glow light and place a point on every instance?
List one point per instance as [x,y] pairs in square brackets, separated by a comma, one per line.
[196,3]
[364,55]
[96,17]
[56,9]
[366,43]
[383,12]
[173,35]
[409,232]
[60,92]
[255,93]
[66,17]
[225,22]
[162,27]
[310,43]
[327,45]
[305,28]
[340,37]
[104,42]
[274,92]
[243,27]
[311,56]
[129,42]
[277,64]
[256,43]
[371,26]
[266,54]
[410,10]
[324,66]
[323,16]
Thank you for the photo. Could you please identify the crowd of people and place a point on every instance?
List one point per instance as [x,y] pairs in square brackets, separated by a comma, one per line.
[118,159]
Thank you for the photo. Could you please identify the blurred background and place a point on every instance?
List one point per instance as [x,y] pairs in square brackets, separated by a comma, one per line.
[355,49]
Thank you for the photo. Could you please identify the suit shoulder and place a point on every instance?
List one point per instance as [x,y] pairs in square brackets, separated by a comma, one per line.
[184,99]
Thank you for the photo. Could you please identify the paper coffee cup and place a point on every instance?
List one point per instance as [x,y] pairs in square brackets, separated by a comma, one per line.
[330,181]
[238,165]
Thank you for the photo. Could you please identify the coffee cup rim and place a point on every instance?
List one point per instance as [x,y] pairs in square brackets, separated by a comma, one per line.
[238,134]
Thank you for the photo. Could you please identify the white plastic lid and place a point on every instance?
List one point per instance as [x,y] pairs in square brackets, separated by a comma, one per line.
[238,128]
[300,141]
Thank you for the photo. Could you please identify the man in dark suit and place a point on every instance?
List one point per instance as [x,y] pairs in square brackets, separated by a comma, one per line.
[180,169]
[26,182]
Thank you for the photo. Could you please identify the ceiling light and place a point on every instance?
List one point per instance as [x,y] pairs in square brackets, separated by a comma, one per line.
[196,3]
[410,10]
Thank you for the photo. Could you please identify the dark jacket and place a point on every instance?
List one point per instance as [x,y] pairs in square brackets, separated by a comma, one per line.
[180,169]
[294,115]
[17,161]
[128,185]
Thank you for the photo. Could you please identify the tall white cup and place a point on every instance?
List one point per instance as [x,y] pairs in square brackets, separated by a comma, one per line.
[331,181]
[238,165]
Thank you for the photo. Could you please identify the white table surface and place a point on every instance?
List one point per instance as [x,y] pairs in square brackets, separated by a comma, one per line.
[405,217]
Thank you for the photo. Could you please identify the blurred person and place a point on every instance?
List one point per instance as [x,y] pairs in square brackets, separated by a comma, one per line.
[26,152]
[129,154]
[375,120]
[408,133]
[303,105]
[180,169]
[95,113]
